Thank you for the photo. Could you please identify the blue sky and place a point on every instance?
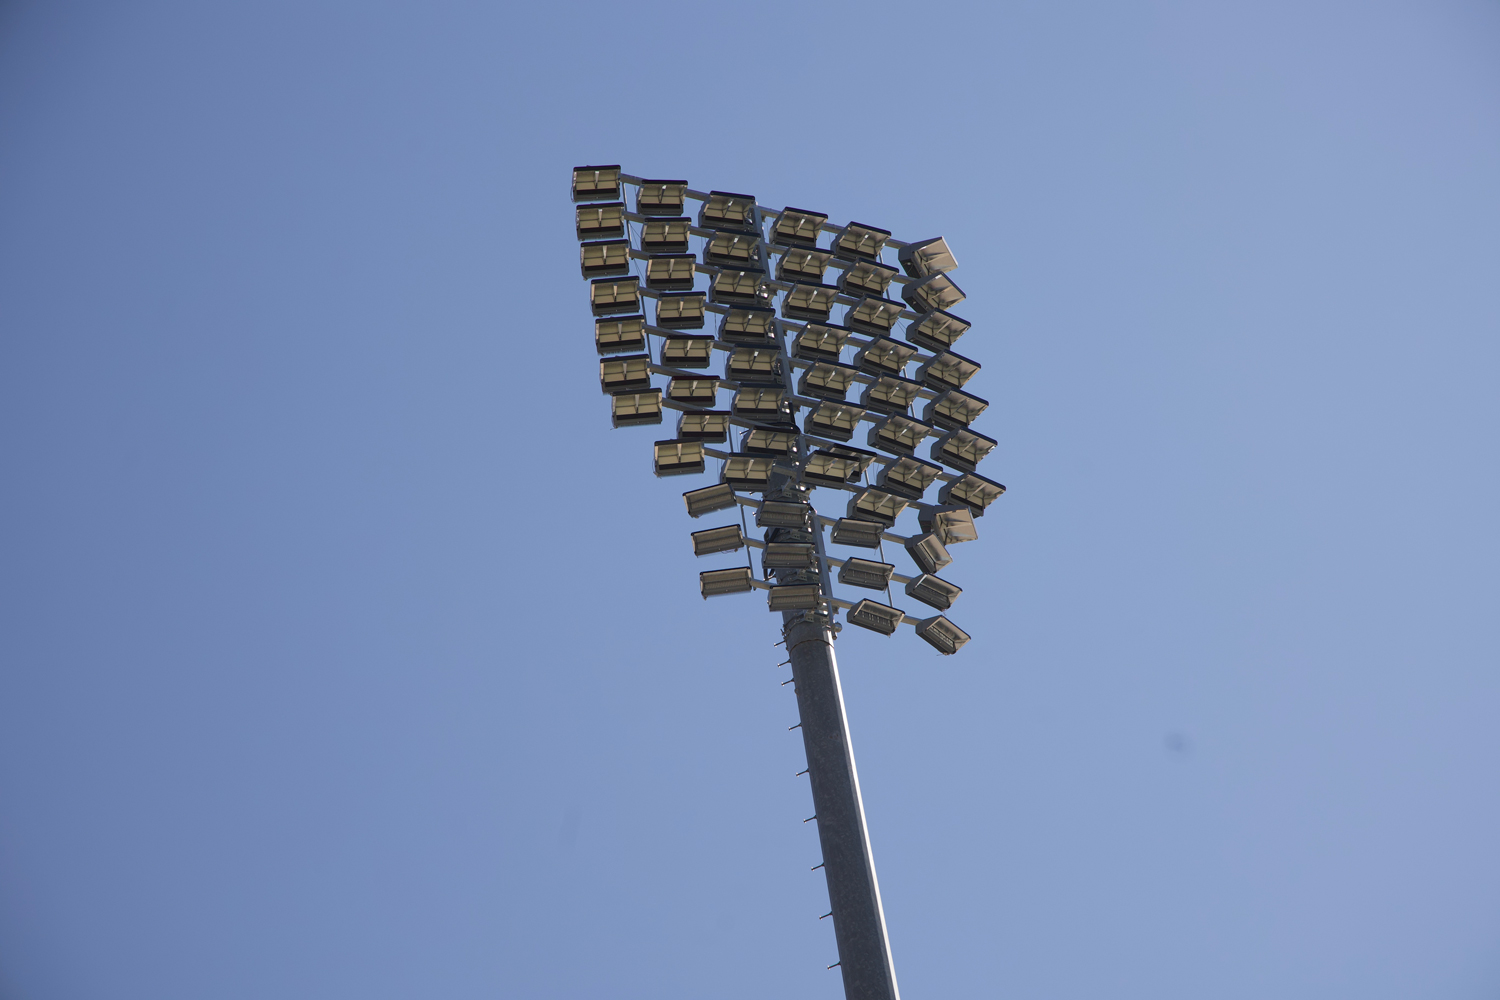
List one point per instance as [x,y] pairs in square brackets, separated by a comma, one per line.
[345,650]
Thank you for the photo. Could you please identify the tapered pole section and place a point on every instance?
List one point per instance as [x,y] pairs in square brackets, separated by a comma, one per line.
[858,920]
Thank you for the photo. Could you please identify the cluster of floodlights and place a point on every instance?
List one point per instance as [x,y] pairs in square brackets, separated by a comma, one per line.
[770,285]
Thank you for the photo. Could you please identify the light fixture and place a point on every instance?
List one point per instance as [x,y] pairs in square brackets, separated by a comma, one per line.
[600,222]
[750,364]
[866,278]
[951,523]
[798,227]
[704,425]
[928,552]
[794,597]
[746,473]
[729,538]
[661,197]
[876,617]
[782,514]
[671,272]
[884,356]
[820,342]
[947,371]
[708,500]
[679,458]
[809,302]
[716,582]
[628,409]
[605,259]
[866,573]
[862,458]
[680,311]
[908,477]
[757,404]
[738,250]
[725,210]
[857,240]
[738,288]
[857,532]
[826,469]
[830,420]
[930,590]
[898,435]
[611,296]
[934,292]
[962,449]
[687,351]
[665,235]
[628,373]
[872,314]
[596,183]
[971,489]
[693,391]
[890,394]
[826,380]
[926,257]
[620,336]
[768,441]
[936,331]
[789,555]
[946,637]
[802,264]
[748,326]
[954,410]
[876,505]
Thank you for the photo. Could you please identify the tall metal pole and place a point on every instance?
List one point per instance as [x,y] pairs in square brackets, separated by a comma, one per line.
[858,920]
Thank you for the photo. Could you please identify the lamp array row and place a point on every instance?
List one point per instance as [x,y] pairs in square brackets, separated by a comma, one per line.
[941,527]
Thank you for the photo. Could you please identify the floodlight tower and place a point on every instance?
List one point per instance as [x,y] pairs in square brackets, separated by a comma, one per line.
[777,367]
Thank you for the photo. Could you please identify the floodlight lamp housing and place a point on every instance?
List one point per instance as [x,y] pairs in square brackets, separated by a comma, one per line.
[820,342]
[760,405]
[631,409]
[604,258]
[926,257]
[739,288]
[596,183]
[754,365]
[826,469]
[673,272]
[709,499]
[857,241]
[600,222]
[932,293]
[873,315]
[947,371]
[951,523]
[725,210]
[716,582]
[933,591]
[748,326]
[928,552]
[874,616]
[809,302]
[857,532]
[898,435]
[866,278]
[890,394]
[908,477]
[797,227]
[954,410]
[826,380]
[665,235]
[962,449]
[736,250]
[783,514]
[802,264]
[624,335]
[794,597]
[866,573]
[876,505]
[712,540]
[769,442]
[936,330]
[789,555]
[694,391]
[884,356]
[704,425]
[625,373]
[687,351]
[661,197]
[615,296]
[678,458]
[744,472]
[944,636]
[680,311]
[973,490]
[832,421]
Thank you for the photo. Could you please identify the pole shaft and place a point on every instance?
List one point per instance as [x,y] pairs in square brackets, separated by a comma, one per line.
[858,920]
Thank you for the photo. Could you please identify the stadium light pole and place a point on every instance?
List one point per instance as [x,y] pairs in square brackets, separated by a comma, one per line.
[785,361]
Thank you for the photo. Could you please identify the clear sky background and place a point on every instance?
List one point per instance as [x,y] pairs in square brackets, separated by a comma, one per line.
[346,651]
